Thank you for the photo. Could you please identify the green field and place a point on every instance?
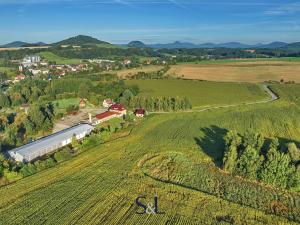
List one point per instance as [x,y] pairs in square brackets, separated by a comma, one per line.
[64,103]
[59,60]
[10,71]
[100,185]
[201,94]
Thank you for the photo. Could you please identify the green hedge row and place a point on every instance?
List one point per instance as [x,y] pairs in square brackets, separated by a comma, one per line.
[209,179]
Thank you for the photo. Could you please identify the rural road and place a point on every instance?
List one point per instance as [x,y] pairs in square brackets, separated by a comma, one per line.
[266,88]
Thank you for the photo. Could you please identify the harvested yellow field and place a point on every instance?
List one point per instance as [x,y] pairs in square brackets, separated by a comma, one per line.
[239,72]
[146,69]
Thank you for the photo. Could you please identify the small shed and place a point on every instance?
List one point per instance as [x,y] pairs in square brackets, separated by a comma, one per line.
[140,112]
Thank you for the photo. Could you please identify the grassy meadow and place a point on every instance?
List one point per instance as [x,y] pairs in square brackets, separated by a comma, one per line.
[8,70]
[59,60]
[201,94]
[100,185]
[64,103]
[129,72]
[253,71]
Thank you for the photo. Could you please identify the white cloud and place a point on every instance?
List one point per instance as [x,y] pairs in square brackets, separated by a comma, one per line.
[284,9]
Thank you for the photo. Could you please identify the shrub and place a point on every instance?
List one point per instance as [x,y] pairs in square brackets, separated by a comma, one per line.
[63,155]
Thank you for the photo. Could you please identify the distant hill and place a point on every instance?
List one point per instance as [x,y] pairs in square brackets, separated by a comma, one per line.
[15,44]
[81,40]
[295,46]
[38,44]
[176,44]
[137,44]
[273,45]
[18,44]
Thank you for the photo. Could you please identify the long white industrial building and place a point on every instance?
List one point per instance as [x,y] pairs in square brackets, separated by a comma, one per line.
[48,144]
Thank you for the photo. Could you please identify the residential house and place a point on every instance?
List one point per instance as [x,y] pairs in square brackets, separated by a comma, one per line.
[119,108]
[140,112]
[107,103]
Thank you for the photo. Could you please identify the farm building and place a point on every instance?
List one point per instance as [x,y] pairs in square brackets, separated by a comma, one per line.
[140,112]
[119,108]
[50,143]
[100,118]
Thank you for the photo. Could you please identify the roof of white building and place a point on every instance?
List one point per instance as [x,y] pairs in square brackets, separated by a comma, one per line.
[52,140]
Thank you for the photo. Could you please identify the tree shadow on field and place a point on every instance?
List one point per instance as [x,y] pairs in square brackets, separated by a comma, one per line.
[213,143]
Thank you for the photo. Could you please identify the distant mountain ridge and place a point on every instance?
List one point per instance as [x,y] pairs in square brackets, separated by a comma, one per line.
[178,44]
[83,40]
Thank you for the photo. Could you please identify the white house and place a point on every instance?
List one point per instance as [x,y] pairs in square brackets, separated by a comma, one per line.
[107,103]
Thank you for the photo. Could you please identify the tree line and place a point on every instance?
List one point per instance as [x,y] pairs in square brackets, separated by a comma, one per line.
[149,103]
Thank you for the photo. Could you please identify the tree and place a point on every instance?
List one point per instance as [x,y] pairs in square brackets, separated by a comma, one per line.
[232,143]
[254,140]
[83,91]
[277,169]
[293,152]
[127,94]
[230,159]
[4,101]
[74,142]
[249,163]
[11,135]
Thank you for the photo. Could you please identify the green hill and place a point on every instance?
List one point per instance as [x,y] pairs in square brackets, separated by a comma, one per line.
[82,40]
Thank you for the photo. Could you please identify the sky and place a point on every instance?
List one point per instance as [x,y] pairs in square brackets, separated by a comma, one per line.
[151,21]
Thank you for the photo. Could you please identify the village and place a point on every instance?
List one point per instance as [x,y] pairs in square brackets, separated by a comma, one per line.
[37,66]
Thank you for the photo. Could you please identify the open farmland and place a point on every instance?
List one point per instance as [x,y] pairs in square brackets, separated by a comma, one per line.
[201,94]
[59,60]
[100,185]
[129,72]
[240,71]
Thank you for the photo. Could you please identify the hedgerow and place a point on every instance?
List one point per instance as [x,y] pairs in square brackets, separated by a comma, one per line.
[209,179]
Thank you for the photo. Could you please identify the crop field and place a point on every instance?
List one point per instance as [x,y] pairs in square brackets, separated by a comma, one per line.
[59,60]
[100,185]
[240,71]
[201,94]
[253,60]
[146,69]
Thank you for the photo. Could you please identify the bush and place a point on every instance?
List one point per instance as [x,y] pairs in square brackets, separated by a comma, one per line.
[63,155]
[28,169]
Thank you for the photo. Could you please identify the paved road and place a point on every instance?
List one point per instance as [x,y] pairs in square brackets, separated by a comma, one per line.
[266,88]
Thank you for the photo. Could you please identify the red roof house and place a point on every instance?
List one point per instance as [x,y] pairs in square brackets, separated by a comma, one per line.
[118,108]
[102,117]
[140,112]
